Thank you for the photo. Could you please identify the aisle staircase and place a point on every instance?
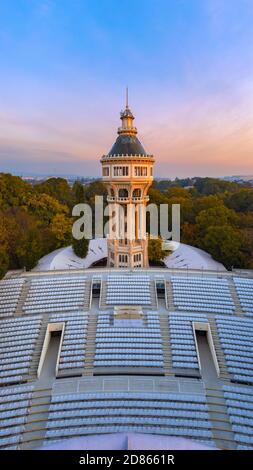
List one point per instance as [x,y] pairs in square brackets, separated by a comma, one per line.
[221,427]
[166,345]
[169,296]
[22,298]
[90,349]
[35,428]
[238,308]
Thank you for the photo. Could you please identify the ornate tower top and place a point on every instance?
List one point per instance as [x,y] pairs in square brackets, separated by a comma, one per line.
[127,143]
[127,119]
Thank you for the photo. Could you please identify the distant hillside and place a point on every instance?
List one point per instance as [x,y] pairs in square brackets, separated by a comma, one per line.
[239,178]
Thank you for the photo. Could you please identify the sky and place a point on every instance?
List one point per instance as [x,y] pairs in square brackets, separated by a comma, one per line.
[64,66]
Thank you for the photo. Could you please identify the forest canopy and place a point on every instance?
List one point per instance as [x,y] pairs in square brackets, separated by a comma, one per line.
[216,216]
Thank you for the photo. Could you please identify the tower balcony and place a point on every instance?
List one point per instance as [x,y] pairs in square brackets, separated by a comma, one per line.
[132,200]
[125,245]
[129,156]
[127,130]
[140,198]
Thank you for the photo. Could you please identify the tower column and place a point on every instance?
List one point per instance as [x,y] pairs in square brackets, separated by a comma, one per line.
[137,222]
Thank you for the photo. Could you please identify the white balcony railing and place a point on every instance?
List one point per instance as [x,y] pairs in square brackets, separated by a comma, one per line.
[127,199]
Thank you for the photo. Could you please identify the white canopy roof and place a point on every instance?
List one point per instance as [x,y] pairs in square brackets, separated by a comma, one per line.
[183,256]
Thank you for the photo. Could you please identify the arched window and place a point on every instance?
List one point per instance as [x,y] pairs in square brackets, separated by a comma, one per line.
[123,192]
[137,192]
[123,258]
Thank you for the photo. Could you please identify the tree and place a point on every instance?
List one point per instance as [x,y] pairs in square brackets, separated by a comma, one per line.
[208,186]
[4,262]
[58,188]
[29,248]
[45,207]
[96,188]
[207,202]
[13,191]
[80,247]
[178,192]
[13,223]
[24,242]
[226,245]
[241,201]
[78,190]
[155,250]
[215,216]
[248,246]
[156,196]
[186,208]
[189,233]
[161,185]
[61,228]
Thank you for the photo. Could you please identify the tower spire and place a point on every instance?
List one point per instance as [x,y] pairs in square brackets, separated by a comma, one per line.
[127,120]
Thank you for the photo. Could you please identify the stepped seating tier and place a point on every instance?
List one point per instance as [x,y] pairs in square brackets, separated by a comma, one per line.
[244,288]
[95,413]
[128,290]
[14,405]
[200,294]
[62,294]
[10,291]
[236,337]
[239,402]
[17,342]
[128,343]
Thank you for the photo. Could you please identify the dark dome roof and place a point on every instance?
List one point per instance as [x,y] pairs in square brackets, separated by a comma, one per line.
[127,145]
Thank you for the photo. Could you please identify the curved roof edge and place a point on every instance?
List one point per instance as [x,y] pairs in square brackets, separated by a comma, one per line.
[183,257]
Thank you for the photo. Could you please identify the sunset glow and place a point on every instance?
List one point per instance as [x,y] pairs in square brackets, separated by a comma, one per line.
[65,65]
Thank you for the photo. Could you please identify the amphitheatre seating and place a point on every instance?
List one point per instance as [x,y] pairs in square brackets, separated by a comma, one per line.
[14,404]
[183,348]
[17,341]
[156,413]
[72,354]
[58,294]
[128,343]
[202,294]
[10,290]
[128,290]
[236,337]
[239,403]
[244,289]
